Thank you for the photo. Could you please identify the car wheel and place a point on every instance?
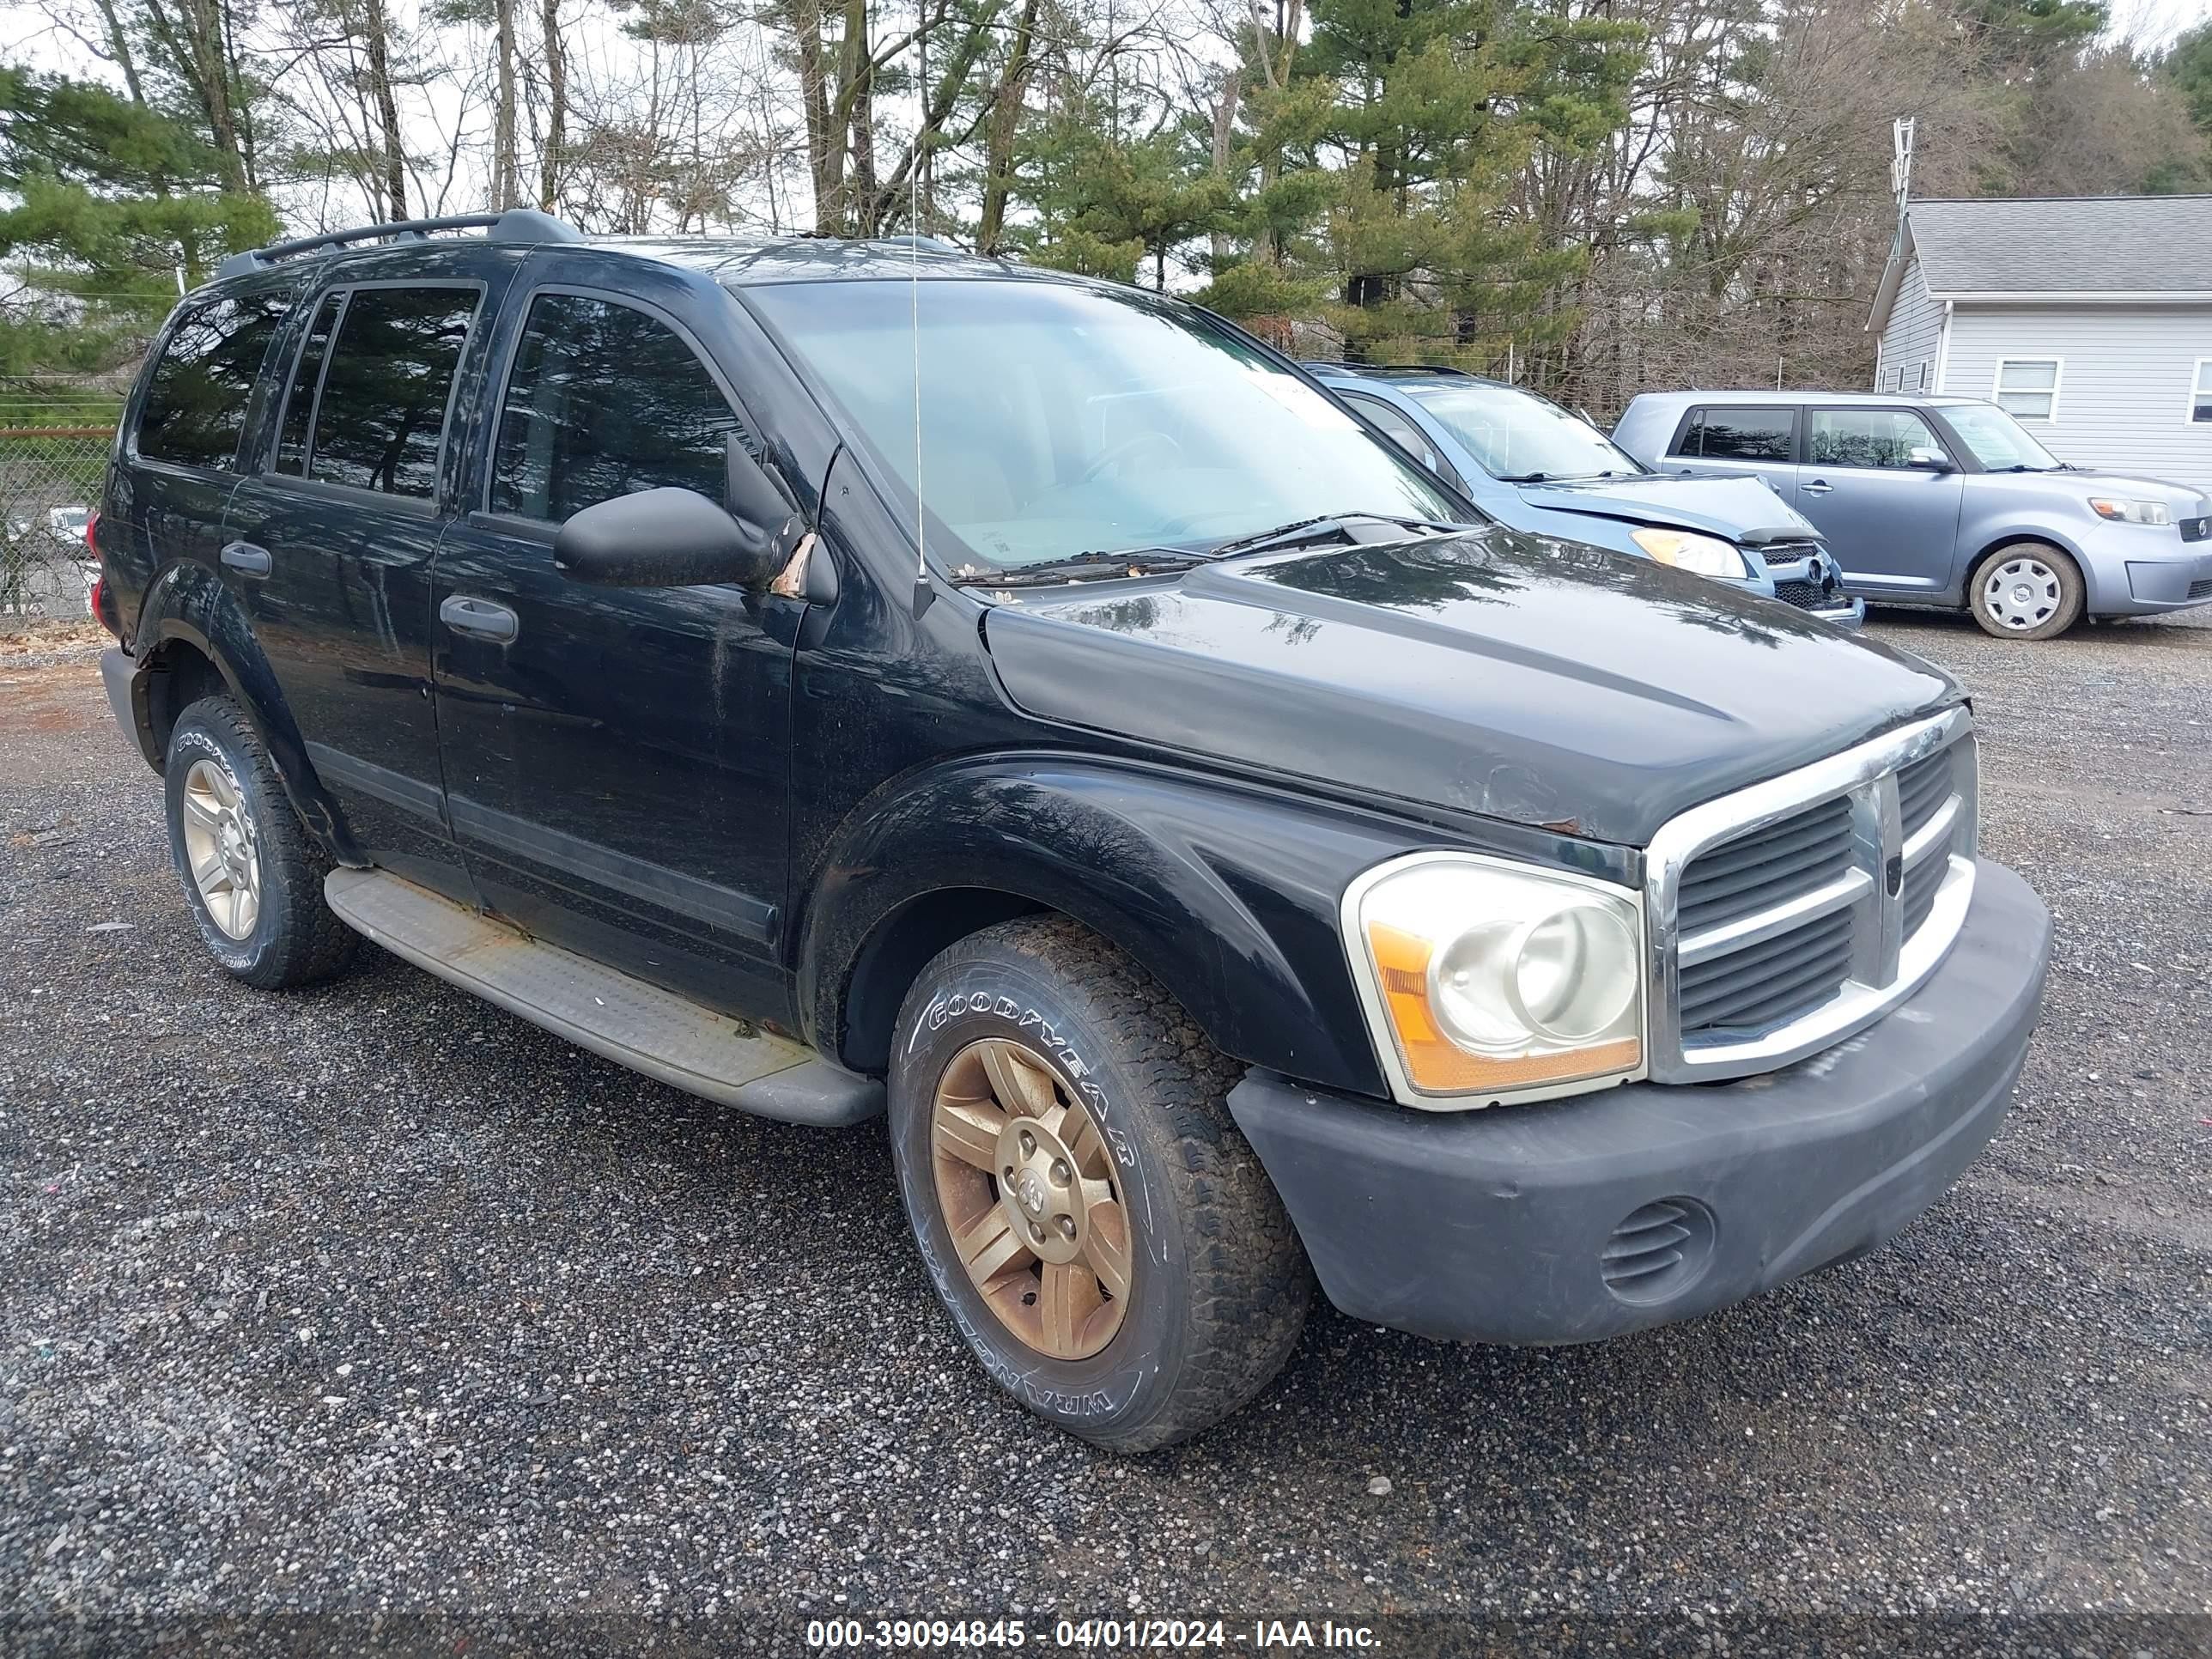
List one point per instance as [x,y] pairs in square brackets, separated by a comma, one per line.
[2027,591]
[1105,1238]
[252,877]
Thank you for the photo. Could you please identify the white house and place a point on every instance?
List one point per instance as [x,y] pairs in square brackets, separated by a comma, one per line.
[2089,318]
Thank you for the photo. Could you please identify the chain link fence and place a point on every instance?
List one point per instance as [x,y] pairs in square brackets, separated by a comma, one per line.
[49,482]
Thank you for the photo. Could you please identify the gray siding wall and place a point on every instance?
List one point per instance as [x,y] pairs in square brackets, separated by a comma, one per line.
[2124,384]
[1908,339]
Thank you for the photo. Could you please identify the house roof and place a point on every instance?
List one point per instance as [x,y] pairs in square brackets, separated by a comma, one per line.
[2067,249]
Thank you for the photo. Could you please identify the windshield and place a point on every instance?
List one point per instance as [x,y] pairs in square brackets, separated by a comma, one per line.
[1516,436]
[1998,441]
[1059,421]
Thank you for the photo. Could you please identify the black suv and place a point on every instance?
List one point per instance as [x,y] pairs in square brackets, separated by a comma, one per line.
[828,677]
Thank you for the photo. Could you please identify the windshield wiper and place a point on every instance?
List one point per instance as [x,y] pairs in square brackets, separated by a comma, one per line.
[1306,530]
[1085,567]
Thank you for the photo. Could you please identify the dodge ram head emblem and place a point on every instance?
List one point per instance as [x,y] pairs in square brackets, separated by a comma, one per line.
[1029,1188]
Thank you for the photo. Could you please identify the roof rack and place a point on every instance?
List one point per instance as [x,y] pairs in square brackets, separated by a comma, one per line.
[515,225]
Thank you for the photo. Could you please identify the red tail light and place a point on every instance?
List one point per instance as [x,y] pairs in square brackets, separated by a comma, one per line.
[91,532]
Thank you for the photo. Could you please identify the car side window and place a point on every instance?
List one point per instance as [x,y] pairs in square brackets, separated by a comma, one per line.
[382,414]
[1866,437]
[604,400]
[1404,431]
[1728,433]
[306,378]
[195,407]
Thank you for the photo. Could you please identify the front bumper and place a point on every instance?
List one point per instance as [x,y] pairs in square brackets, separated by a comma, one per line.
[1577,1219]
[2141,570]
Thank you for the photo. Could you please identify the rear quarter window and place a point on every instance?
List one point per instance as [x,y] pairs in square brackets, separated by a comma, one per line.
[194,411]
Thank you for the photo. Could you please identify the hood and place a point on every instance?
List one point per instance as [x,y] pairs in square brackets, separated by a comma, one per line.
[2075,485]
[1518,677]
[1729,507]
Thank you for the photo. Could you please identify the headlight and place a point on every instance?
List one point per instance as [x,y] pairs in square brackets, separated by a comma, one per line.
[2130,512]
[1484,977]
[1707,556]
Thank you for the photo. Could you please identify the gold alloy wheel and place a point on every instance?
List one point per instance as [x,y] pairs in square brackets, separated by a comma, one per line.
[1026,1185]
[222,849]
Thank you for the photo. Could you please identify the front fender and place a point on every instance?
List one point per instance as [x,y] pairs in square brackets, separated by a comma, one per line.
[1226,893]
[2104,572]
[188,603]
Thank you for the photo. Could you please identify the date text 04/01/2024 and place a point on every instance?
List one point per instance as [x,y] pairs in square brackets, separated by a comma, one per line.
[1169,1635]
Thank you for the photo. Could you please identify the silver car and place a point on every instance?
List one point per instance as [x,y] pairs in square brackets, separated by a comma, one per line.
[1946,502]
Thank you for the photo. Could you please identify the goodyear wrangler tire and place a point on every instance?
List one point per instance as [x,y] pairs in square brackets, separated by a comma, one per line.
[252,877]
[1106,1242]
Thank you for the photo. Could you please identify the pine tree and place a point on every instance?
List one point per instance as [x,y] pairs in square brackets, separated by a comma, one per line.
[115,202]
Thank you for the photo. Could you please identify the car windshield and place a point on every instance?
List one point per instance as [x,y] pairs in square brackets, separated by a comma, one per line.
[1519,437]
[1058,422]
[1998,441]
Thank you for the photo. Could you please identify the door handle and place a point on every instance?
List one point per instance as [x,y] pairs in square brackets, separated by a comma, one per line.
[1818,487]
[245,558]
[481,618]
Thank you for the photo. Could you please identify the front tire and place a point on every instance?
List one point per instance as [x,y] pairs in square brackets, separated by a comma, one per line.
[1105,1240]
[2027,591]
[252,877]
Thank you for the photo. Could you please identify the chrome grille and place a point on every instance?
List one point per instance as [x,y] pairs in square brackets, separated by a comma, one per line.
[1760,870]
[1793,913]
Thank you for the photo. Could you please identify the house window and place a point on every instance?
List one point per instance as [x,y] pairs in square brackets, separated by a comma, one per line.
[1924,374]
[2200,393]
[2028,387]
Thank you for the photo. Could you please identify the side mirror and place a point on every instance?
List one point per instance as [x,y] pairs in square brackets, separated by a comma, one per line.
[1921,459]
[664,537]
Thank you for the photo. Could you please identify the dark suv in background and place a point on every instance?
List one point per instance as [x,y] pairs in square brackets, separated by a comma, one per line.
[832,677]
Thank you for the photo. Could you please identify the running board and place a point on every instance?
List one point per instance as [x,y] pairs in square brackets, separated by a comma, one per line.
[668,1037]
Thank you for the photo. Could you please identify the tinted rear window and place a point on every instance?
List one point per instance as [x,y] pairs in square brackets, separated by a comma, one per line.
[1740,434]
[383,409]
[195,408]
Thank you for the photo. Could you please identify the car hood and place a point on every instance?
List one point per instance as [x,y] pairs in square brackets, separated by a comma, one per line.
[1519,677]
[1729,507]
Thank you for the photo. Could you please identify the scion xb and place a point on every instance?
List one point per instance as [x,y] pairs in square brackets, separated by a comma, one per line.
[858,682]
[1945,501]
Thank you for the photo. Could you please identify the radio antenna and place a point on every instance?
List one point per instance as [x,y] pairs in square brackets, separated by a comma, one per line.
[923,592]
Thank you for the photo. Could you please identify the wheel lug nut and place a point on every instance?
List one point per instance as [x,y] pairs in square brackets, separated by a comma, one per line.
[1068,1226]
[1029,1144]
[1060,1172]
[1036,1233]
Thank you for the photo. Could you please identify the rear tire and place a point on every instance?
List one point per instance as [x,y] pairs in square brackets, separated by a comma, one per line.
[1126,1171]
[2027,590]
[252,877]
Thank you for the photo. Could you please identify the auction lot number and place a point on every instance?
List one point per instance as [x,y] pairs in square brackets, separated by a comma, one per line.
[828,1634]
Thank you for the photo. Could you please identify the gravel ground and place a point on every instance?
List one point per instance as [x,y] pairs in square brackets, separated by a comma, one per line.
[375,1298]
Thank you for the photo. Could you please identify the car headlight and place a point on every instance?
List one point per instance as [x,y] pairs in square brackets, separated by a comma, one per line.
[1485,977]
[2121,512]
[1706,556]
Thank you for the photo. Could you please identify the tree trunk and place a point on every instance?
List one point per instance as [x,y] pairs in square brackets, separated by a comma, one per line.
[857,85]
[825,142]
[1224,131]
[387,107]
[556,112]
[192,40]
[506,167]
[1005,123]
[120,44]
